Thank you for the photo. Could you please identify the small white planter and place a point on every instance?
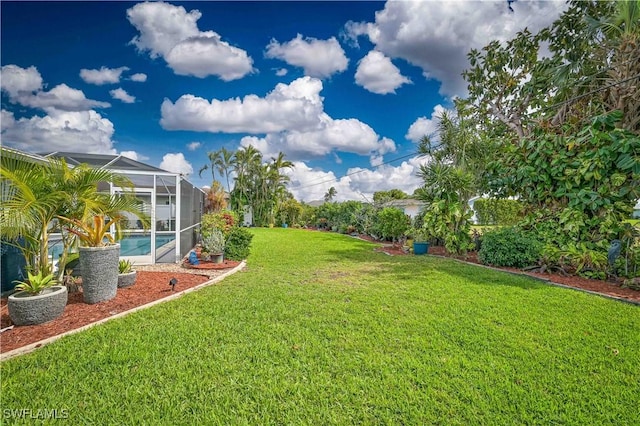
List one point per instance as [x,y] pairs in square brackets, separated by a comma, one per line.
[128,279]
[25,309]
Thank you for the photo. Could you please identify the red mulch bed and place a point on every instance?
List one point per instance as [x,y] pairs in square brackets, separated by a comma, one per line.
[149,286]
[210,265]
[608,288]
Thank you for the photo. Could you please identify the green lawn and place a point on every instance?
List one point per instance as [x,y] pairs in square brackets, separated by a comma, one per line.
[319,329]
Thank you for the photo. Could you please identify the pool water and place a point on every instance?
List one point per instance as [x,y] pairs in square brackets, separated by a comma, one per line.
[140,245]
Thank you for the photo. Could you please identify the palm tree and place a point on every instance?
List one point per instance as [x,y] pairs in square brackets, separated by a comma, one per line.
[622,48]
[224,164]
[330,194]
[214,158]
[245,164]
[36,196]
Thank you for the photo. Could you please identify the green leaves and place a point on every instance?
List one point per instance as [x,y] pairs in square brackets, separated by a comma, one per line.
[36,283]
[593,175]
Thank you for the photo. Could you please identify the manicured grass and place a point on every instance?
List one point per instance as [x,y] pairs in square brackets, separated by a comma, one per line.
[319,329]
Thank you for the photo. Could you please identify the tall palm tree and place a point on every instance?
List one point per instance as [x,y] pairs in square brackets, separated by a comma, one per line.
[330,194]
[622,44]
[214,157]
[224,164]
[246,163]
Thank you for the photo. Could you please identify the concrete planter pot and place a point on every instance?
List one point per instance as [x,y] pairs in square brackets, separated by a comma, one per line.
[25,309]
[128,279]
[217,258]
[99,272]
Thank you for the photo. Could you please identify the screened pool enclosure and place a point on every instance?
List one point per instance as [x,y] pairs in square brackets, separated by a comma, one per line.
[174,205]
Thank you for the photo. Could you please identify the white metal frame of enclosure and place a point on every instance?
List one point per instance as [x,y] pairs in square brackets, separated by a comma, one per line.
[151,258]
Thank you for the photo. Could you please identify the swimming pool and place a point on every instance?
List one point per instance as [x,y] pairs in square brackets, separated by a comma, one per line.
[140,245]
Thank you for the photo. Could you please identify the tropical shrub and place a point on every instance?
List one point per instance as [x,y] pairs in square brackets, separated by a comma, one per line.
[449,222]
[124,266]
[238,244]
[392,222]
[577,188]
[36,282]
[222,221]
[509,247]
[496,211]
[214,242]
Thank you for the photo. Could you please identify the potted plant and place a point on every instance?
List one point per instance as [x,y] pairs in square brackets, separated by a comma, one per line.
[420,240]
[99,258]
[126,274]
[214,243]
[204,255]
[39,300]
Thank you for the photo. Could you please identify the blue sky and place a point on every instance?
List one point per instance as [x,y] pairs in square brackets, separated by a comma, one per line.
[342,88]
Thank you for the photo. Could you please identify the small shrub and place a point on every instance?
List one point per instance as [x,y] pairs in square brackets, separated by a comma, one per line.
[214,242]
[222,221]
[509,247]
[124,266]
[238,244]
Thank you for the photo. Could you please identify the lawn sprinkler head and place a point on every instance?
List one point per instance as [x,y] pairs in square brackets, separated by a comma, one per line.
[173,282]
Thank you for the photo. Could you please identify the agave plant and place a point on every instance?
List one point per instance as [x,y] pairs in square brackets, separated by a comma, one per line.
[36,283]
[125,266]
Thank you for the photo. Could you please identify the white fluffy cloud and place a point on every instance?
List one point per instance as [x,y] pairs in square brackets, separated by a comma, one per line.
[318,58]
[70,123]
[171,32]
[436,35]
[17,81]
[79,131]
[309,184]
[193,146]
[281,72]
[61,97]
[122,95]
[139,77]
[24,87]
[131,154]
[176,163]
[102,76]
[377,74]
[424,126]
[291,117]
[293,106]
[7,120]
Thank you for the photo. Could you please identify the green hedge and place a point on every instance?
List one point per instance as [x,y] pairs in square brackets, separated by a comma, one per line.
[509,247]
[238,244]
[493,211]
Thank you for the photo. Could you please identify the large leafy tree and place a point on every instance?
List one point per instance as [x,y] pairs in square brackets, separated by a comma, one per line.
[563,105]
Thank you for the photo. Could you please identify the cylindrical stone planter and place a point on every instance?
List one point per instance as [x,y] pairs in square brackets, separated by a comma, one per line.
[25,309]
[128,279]
[99,272]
